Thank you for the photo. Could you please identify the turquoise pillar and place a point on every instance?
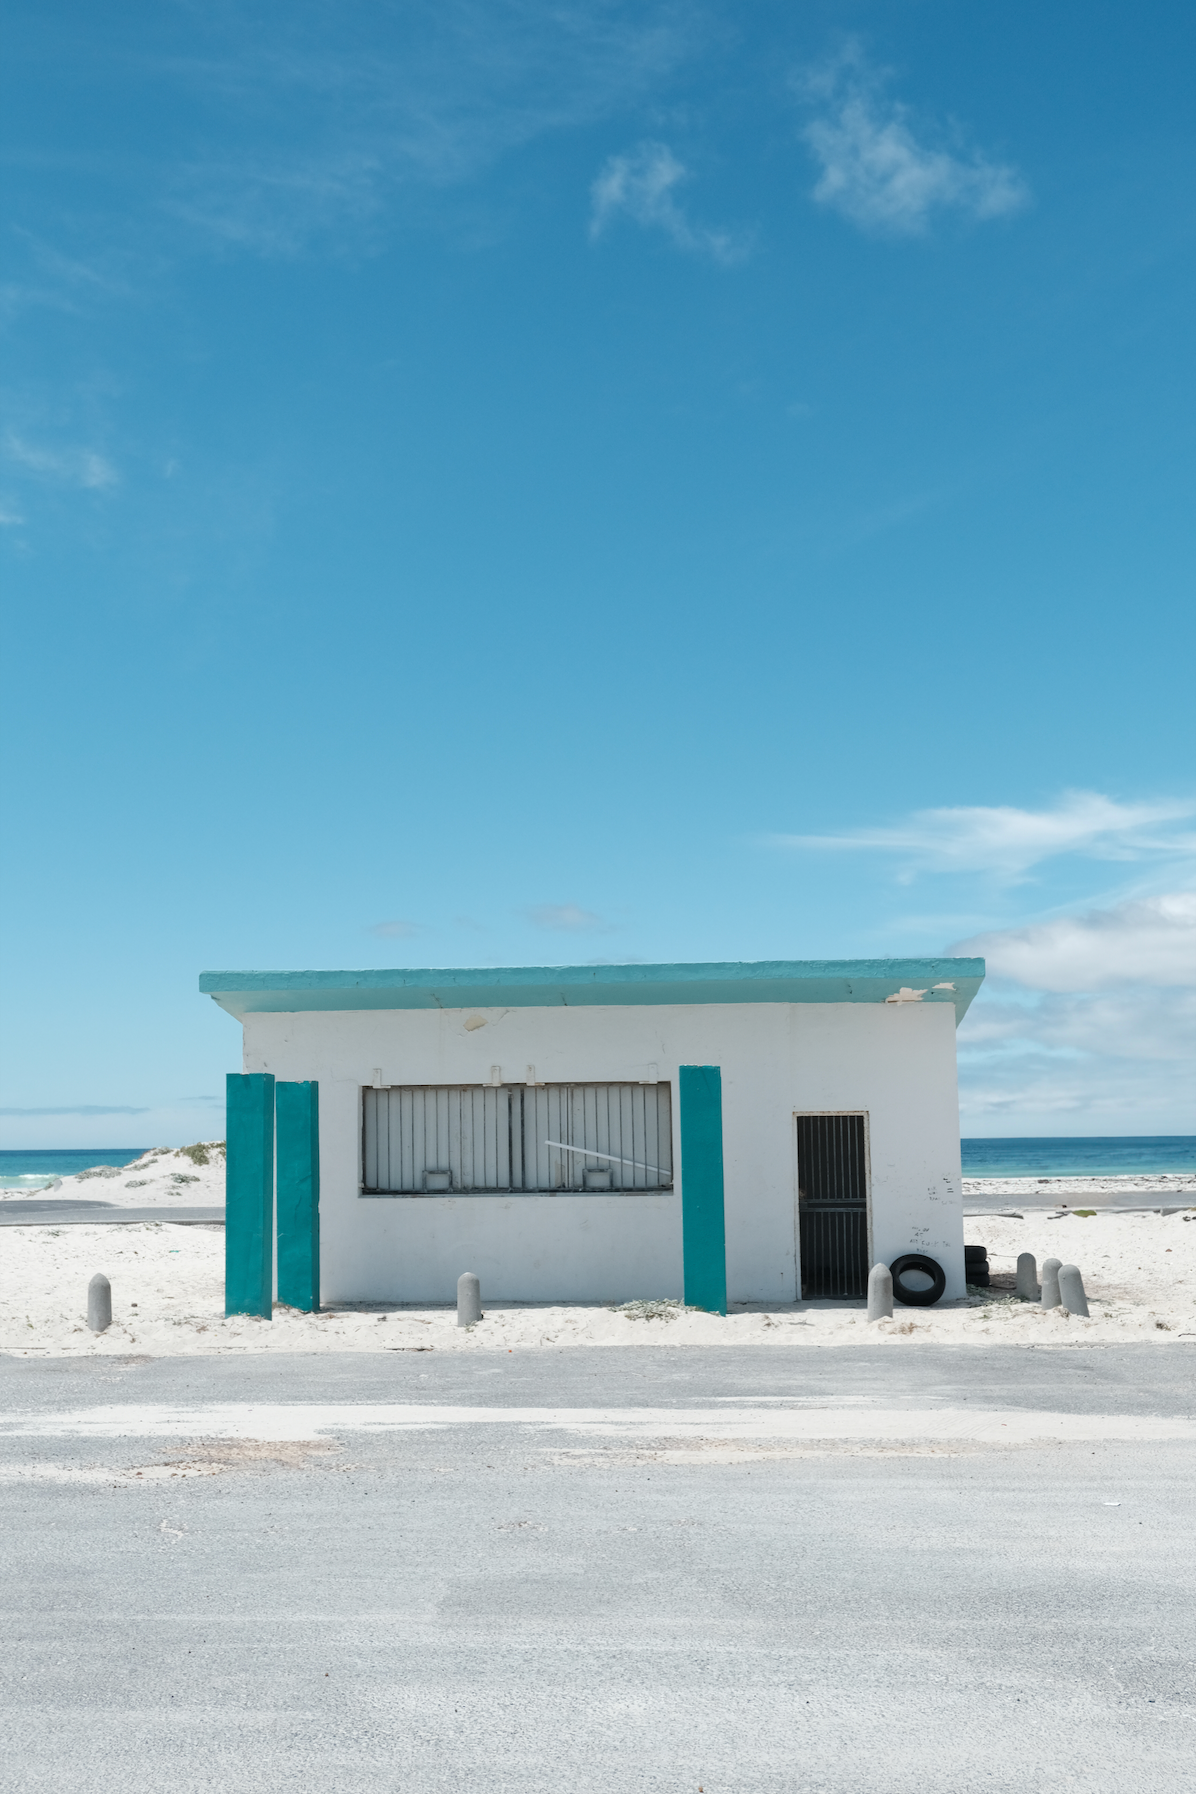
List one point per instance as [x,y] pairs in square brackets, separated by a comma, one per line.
[249,1195]
[703,1227]
[297,1112]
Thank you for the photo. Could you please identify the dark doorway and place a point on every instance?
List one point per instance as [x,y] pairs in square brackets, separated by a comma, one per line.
[832,1205]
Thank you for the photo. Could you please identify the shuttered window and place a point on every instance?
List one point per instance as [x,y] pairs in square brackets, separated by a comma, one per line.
[427,1139]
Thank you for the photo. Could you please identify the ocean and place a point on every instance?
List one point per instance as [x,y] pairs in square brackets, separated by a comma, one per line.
[29,1170]
[1108,1155]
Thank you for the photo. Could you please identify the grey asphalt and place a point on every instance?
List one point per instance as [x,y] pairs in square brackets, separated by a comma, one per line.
[471,1610]
[1153,1202]
[28,1212]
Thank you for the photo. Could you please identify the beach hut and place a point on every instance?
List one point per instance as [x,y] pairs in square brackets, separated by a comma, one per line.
[758,1132]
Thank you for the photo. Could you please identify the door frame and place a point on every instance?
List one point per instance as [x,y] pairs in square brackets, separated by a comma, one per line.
[814,1114]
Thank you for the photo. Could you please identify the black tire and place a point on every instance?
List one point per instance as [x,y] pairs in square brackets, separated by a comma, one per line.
[978,1279]
[975,1255]
[929,1267]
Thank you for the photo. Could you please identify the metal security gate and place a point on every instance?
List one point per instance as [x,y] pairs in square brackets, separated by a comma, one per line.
[429,1139]
[832,1199]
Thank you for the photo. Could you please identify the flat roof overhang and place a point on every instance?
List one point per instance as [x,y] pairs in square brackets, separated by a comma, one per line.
[893,981]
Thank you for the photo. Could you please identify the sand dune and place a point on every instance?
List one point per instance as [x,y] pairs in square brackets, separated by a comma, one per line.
[164,1177]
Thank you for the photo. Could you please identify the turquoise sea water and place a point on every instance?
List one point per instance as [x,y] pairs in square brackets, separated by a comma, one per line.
[1111,1155]
[29,1170]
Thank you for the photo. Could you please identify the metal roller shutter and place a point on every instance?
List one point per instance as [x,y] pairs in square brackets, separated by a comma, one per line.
[426,1139]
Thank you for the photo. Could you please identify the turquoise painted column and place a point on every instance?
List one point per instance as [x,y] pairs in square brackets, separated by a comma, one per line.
[297,1112]
[249,1195]
[703,1228]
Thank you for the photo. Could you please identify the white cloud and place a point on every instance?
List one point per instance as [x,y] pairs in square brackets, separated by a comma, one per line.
[874,169]
[398,929]
[1086,1020]
[1098,1030]
[10,517]
[567,917]
[1150,941]
[1093,1100]
[641,185]
[1009,842]
[72,467]
[1115,1063]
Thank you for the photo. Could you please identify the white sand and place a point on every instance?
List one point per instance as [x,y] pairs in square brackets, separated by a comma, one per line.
[168,1298]
[165,1177]
[1179,1186]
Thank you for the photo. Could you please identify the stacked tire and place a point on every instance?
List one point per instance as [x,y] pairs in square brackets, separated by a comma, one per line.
[975,1263]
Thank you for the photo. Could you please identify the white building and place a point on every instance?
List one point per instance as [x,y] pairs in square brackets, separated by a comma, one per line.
[526,1124]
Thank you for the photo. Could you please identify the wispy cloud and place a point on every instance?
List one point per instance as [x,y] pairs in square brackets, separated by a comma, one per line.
[10,516]
[80,1109]
[272,205]
[568,918]
[897,512]
[60,282]
[428,101]
[81,467]
[1009,842]
[396,930]
[642,185]
[875,170]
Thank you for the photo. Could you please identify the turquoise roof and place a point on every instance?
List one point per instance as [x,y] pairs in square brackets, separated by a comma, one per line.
[953,981]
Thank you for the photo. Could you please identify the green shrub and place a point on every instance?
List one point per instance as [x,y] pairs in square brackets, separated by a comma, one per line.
[200,1153]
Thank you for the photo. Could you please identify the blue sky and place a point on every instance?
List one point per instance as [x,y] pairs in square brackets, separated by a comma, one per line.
[490,484]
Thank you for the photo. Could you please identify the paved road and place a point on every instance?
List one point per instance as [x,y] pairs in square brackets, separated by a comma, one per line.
[1137,1202]
[498,1607]
[26,1212]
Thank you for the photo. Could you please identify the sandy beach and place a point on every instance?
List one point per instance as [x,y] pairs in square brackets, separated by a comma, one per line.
[1034,1192]
[164,1177]
[168,1290]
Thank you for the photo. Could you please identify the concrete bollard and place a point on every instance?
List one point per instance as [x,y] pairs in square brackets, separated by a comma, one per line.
[1027,1277]
[1050,1282]
[469,1299]
[99,1303]
[880,1293]
[1071,1290]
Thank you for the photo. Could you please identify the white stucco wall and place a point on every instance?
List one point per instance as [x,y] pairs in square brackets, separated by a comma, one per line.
[895,1062]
